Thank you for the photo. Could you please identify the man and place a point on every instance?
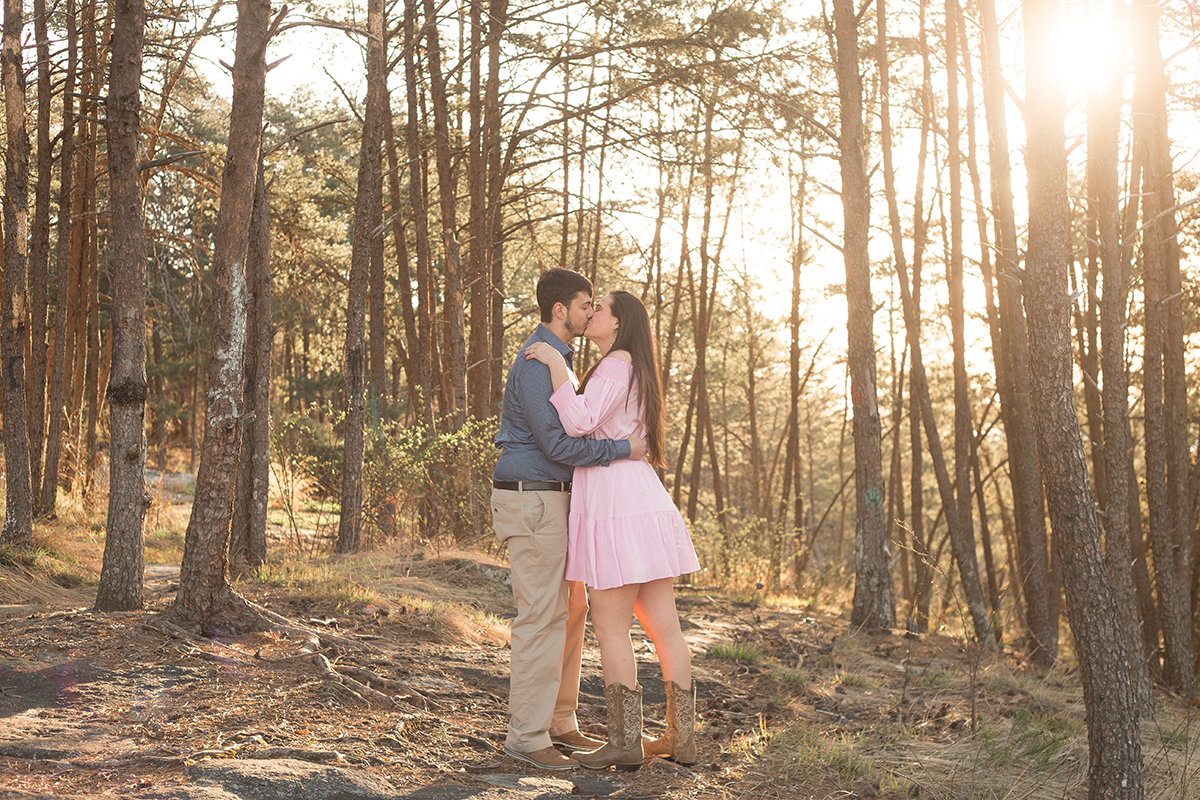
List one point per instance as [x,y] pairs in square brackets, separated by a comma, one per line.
[530,505]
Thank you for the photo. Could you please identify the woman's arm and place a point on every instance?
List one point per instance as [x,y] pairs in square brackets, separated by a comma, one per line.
[583,413]
[540,351]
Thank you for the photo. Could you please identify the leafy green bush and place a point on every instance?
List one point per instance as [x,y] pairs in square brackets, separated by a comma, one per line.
[430,488]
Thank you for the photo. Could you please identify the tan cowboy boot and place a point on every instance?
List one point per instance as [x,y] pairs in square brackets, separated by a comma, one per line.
[624,747]
[678,744]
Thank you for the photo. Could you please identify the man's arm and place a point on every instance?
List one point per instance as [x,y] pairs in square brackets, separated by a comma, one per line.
[535,388]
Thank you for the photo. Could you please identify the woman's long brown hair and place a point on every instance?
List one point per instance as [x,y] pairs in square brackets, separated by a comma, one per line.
[634,337]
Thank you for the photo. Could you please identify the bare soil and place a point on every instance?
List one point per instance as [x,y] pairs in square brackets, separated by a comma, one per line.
[791,703]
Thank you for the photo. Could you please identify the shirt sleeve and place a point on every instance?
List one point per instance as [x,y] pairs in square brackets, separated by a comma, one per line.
[548,430]
[583,413]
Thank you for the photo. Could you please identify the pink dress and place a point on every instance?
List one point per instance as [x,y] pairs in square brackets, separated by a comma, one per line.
[623,526]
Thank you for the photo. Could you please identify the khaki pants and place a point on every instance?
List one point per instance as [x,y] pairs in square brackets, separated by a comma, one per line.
[547,635]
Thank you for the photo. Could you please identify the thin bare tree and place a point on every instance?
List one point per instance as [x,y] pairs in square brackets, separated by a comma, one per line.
[1104,120]
[873,605]
[48,497]
[368,229]
[121,574]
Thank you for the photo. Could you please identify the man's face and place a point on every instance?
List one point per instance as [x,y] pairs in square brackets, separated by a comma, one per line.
[578,314]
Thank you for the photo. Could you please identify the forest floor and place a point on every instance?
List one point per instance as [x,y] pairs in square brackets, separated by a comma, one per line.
[792,704]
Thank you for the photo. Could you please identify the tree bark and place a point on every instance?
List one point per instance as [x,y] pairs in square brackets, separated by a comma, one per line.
[427,312]
[479,272]
[48,497]
[497,24]
[962,526]
[454,325]
[89,354]
[873,606]
[368,223]
[248,534]
[18,508]
[121,574]
[921,540]
[1167,493]
[205,599]
[1012,369]
[985,260]
[39,266]
[1104,120]
[1114,743]
[411,347]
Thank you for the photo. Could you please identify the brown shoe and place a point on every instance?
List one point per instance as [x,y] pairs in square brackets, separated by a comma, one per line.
[546,758]
[575,740]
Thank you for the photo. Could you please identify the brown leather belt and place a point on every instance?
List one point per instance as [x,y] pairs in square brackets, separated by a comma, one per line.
[533,486]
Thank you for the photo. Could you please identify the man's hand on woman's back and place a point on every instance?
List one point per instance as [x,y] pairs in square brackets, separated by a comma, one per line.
[637,447]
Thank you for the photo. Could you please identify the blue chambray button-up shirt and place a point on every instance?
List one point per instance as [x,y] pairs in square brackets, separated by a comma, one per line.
[534,446]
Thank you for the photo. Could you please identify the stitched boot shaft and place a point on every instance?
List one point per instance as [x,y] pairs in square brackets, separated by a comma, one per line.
[679,742]
[624,747]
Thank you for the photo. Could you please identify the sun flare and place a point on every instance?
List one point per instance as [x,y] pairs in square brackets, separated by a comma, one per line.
[1086,48]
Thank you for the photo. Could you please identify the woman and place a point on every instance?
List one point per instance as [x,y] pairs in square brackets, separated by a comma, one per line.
[627,539]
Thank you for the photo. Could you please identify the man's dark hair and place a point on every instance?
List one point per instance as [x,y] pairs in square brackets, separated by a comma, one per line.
[559,286]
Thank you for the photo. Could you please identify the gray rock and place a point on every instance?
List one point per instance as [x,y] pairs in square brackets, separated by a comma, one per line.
[286,779]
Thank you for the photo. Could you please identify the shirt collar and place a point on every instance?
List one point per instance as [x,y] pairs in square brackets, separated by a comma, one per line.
[544,334]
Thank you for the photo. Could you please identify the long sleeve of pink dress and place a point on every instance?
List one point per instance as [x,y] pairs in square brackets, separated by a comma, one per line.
[623,526]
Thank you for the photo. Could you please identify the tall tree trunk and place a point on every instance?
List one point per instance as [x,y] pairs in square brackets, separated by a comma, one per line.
[427,312]
[18,508]
[48,498]
[39,266]
[700,318]
[82,231]
[962,526]
[205,599]
[1167,491]
[924,567]
[377,332]
[121,574]
[89,355]
[1012,369]
[378,392]
[985,259]
[93,384]
[368,222]
[248,532]
[409,351]
[873,606]
[791,469]
[497,24]
[479,272]
[1114,743]
[1104,121]
[454,325]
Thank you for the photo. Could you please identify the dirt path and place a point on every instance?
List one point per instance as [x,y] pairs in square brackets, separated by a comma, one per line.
[791,705]
[105,702]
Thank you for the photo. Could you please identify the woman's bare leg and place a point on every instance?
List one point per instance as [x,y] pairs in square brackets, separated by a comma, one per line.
[655,608]
[612,617]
